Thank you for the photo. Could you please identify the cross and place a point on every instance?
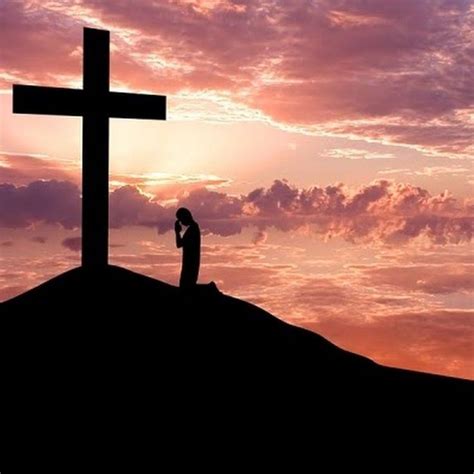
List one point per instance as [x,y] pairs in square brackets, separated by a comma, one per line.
[95,104]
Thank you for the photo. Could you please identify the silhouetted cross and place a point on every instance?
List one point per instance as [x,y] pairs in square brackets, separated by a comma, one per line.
[95,104]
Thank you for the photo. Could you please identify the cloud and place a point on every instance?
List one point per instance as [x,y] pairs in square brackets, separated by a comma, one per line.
[53,202]
[38,50]
[38,239]
[21,271]
[8,292]
[356,154]
[22,168]
[438,341]
[75,244]
[72,243]
[381,212]
[116,245]
[166,186]
[129,206]
[432,279]
[7,243]
[435,255]
[260,237]
[219,212]
[317,292]
[378,70]
[376,314]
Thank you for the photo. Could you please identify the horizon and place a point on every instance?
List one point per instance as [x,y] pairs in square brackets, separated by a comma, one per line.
[325,150]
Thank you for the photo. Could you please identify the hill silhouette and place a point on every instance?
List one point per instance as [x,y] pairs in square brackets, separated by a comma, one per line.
[120,356]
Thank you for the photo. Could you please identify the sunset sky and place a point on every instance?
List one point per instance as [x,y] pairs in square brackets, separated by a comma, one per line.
[324,146]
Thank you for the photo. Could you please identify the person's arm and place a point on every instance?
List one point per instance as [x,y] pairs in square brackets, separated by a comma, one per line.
[177,231]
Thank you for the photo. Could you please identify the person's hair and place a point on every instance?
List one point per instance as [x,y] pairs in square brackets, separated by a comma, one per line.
[184,213]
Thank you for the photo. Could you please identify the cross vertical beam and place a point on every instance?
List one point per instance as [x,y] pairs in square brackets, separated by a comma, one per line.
[95,149]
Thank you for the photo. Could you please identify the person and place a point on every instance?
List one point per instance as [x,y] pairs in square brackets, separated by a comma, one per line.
[190,242]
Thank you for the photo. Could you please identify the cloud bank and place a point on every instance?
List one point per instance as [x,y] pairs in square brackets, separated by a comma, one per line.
[383,211]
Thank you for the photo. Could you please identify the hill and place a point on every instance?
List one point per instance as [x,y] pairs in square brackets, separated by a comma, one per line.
[120,354]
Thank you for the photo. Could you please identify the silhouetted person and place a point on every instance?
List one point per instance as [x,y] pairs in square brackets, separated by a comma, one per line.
[191,244]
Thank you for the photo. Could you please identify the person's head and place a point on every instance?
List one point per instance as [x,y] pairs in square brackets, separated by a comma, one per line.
[184,216]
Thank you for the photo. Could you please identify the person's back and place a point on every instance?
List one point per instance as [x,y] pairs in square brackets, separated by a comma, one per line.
[190,242]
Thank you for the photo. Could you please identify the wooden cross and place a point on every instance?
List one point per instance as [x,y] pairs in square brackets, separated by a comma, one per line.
[95,104]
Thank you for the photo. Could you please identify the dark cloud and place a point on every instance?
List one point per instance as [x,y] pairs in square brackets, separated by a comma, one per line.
[7,243]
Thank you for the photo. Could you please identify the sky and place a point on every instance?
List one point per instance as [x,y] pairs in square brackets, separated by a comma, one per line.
[325,148]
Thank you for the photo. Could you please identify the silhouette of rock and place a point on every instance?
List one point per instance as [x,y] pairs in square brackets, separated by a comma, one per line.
[111,354]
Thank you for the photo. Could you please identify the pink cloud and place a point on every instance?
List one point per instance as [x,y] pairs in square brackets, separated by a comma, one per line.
[260,237]
[39,239]
[42,44]
[438,341]
[40,201]
[433,256]
[72,243]
[317,292]
[169,186]
[8,292]
[399,72]
[21,168]
[149,259]
[383,211]
[128,206]
[369,310]
[433,279]
[392,327]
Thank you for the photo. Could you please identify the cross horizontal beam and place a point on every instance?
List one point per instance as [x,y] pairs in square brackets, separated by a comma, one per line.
[136,106]
[47,100]
[77,102]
